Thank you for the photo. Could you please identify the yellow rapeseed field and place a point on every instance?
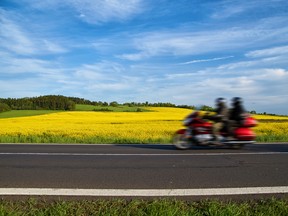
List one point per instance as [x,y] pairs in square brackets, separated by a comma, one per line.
[157,125]
[114,127]
[272,128]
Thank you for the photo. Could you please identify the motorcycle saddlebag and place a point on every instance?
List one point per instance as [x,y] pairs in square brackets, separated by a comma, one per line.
[243,133]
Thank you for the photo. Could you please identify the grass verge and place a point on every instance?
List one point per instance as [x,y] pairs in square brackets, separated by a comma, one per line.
[85,140]
[272,138]
[165,207]
[47,138]
[25,113]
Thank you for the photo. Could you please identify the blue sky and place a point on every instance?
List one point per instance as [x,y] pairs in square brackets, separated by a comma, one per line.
[179,51]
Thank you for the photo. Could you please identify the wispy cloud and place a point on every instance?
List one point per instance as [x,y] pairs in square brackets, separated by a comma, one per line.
[53,47]
[105,11]
[18,39]
[263,58]
[13,38]
[204,87]
[205,60]
[94,11]
[229,9]
[274,51]
[194,43]
[104,76]
[26,87]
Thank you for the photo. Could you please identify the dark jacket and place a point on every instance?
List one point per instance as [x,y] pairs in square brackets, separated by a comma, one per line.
[237,113]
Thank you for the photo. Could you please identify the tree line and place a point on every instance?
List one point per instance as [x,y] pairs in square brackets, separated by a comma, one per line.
[59,102]
[48,102]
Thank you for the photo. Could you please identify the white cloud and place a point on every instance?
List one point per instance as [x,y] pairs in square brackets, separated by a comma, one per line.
[277,74]
[240,64]
[28,70]
[108,87]
[229,12]
[133,56]
[24,87]
[233,8]
[226,9]
[264,58]
[94,11]
[53,47]
[87,74]
[274,51]
[104,11]
[13,38]
[17,38]
[12,65]
[25,65]
[205,60]
[263,89]
[104,76]
[183,42]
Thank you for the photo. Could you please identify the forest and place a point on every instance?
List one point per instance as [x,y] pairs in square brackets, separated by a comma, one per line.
[48,102]
[59,102]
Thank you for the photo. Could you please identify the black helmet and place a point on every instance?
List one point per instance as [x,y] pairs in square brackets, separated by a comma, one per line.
[220,101]
[237,100]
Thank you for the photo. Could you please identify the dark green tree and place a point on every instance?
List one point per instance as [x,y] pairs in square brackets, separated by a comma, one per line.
[4,107]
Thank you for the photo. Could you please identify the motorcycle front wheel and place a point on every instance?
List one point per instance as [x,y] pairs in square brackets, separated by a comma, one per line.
[181,142]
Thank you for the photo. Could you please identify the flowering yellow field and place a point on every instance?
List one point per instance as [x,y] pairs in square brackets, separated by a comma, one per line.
[158,125]
[114,127]
[272,128]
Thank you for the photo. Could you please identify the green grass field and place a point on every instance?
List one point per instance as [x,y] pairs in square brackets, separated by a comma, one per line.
[167,207]
[79,107]
[83,107]
[24,113]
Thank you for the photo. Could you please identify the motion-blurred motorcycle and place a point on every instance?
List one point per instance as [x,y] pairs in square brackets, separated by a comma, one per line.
[198,132]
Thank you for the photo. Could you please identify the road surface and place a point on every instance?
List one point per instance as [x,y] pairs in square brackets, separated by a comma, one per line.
[142,170]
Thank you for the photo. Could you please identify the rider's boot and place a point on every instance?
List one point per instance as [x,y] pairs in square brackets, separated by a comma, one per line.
[216,140]
[230,134]
[229,138]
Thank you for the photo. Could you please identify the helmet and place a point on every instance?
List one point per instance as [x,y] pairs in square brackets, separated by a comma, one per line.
[220,101]
[237,100]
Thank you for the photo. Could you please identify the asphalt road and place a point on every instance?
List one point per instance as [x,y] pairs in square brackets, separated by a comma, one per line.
[141,166]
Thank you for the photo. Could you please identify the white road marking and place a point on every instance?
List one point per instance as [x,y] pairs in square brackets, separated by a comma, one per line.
[77,144]
[142,192]
[124,154]
[111,144]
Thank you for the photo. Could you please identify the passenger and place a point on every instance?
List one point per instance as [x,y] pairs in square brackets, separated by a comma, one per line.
[236,116]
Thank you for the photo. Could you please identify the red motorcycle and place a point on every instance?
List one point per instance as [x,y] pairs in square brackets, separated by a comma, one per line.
[198,132]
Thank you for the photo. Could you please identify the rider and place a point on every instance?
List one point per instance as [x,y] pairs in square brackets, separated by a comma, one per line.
[236,115]
[220,118]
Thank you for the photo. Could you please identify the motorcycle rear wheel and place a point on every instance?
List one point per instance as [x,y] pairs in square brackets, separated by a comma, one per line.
[181,142]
